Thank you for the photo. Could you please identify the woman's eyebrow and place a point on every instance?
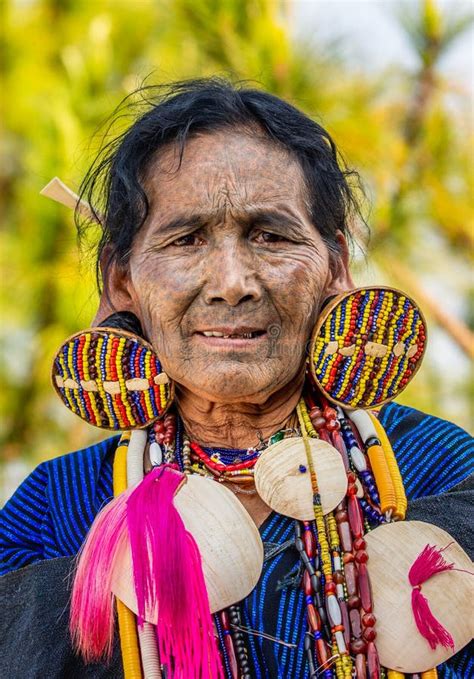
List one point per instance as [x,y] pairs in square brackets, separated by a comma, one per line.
[278,218]
[182,222]
[263,216]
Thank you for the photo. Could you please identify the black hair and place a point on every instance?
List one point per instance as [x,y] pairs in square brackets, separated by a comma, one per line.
[114,184]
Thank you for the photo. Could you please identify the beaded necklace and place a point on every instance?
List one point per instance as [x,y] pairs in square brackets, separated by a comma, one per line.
[341,634]
[239,472]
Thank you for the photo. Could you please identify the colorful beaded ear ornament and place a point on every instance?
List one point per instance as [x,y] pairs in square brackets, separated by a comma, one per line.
[112,379]
[366,347]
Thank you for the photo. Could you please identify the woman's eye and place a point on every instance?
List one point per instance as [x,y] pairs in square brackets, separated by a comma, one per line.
[189,239]
[269,237]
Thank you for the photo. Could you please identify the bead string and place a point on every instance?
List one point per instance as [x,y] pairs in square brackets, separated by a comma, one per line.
[238,474]
[331,548]
[326,539]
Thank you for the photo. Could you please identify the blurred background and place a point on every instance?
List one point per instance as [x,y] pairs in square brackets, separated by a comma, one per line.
[392,82]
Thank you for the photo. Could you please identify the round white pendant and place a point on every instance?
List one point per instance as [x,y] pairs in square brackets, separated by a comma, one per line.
[392,550]
[229,543]
[283,481]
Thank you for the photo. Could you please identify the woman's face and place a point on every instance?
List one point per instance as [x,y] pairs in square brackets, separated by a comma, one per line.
[228,273]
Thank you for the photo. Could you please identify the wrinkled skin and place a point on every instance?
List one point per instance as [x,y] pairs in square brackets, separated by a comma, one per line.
[231,262]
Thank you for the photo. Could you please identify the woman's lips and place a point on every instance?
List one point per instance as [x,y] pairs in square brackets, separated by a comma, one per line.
[231,337]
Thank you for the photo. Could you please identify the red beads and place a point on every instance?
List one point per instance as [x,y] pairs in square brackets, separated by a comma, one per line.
[368,620]
[361,666]
[165,429]
[309,542]
[351,579]
[332,425]
[358,646]
[329,413]
[361,557]
[342,521]
[322,651]
[369,634]
[373,663]
[364,588]
[355,516]
[330,588]
[313,618]
[354,617]
[229,646]
[353,601]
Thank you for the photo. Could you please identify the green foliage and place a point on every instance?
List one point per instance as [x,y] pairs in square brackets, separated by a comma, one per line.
[67,65]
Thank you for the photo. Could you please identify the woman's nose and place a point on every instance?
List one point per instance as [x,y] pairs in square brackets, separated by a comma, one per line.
[231,278]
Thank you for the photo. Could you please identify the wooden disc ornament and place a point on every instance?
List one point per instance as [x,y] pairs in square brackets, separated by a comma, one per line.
[282,477]
[213,516]
[112,379]
[367,346]
[392,549]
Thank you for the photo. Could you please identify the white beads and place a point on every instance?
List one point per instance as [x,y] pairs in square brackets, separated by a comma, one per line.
[341,644]
[334,611]
[136,448]
[156,454]
[358,459]
[363,423]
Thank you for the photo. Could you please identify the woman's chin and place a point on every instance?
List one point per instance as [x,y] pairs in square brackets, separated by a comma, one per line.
[237,384]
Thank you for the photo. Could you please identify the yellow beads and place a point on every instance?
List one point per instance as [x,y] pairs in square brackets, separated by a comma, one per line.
[307,421]
[383,479]
[100,386]
[400,509]
[332,531]
[347,666]
[430,674]
[325,555]
[337,661]
[126,619]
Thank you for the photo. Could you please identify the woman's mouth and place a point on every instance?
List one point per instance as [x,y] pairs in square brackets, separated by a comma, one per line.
[231,337]
[234,335]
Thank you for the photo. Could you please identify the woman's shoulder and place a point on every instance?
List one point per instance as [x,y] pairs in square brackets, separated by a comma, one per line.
[433,454]
[51,511]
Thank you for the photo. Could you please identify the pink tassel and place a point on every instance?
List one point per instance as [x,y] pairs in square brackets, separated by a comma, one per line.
[167,569]
[92,605]
[172,577]
[428,563]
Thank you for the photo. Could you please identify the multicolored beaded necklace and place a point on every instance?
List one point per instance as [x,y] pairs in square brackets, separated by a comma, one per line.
[340,641]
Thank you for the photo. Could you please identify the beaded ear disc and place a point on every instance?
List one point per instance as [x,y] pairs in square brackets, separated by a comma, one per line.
[366,347]
[112,379]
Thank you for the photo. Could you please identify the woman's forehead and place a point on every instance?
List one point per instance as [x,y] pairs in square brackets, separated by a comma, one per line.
[223,167]
[224,173]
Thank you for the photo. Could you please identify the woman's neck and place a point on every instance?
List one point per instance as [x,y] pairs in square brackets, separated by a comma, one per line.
[237,425]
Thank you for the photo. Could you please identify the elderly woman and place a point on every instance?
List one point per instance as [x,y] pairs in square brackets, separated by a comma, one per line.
[225,230]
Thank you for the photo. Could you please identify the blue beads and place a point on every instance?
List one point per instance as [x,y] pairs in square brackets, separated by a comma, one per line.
[372,514]
[369,483]
[179,445]
[225,656]
[231,455]
[302,468]
[347,435]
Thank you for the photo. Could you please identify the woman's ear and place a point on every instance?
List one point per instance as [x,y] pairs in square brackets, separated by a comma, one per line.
[341,277]
[115,288]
